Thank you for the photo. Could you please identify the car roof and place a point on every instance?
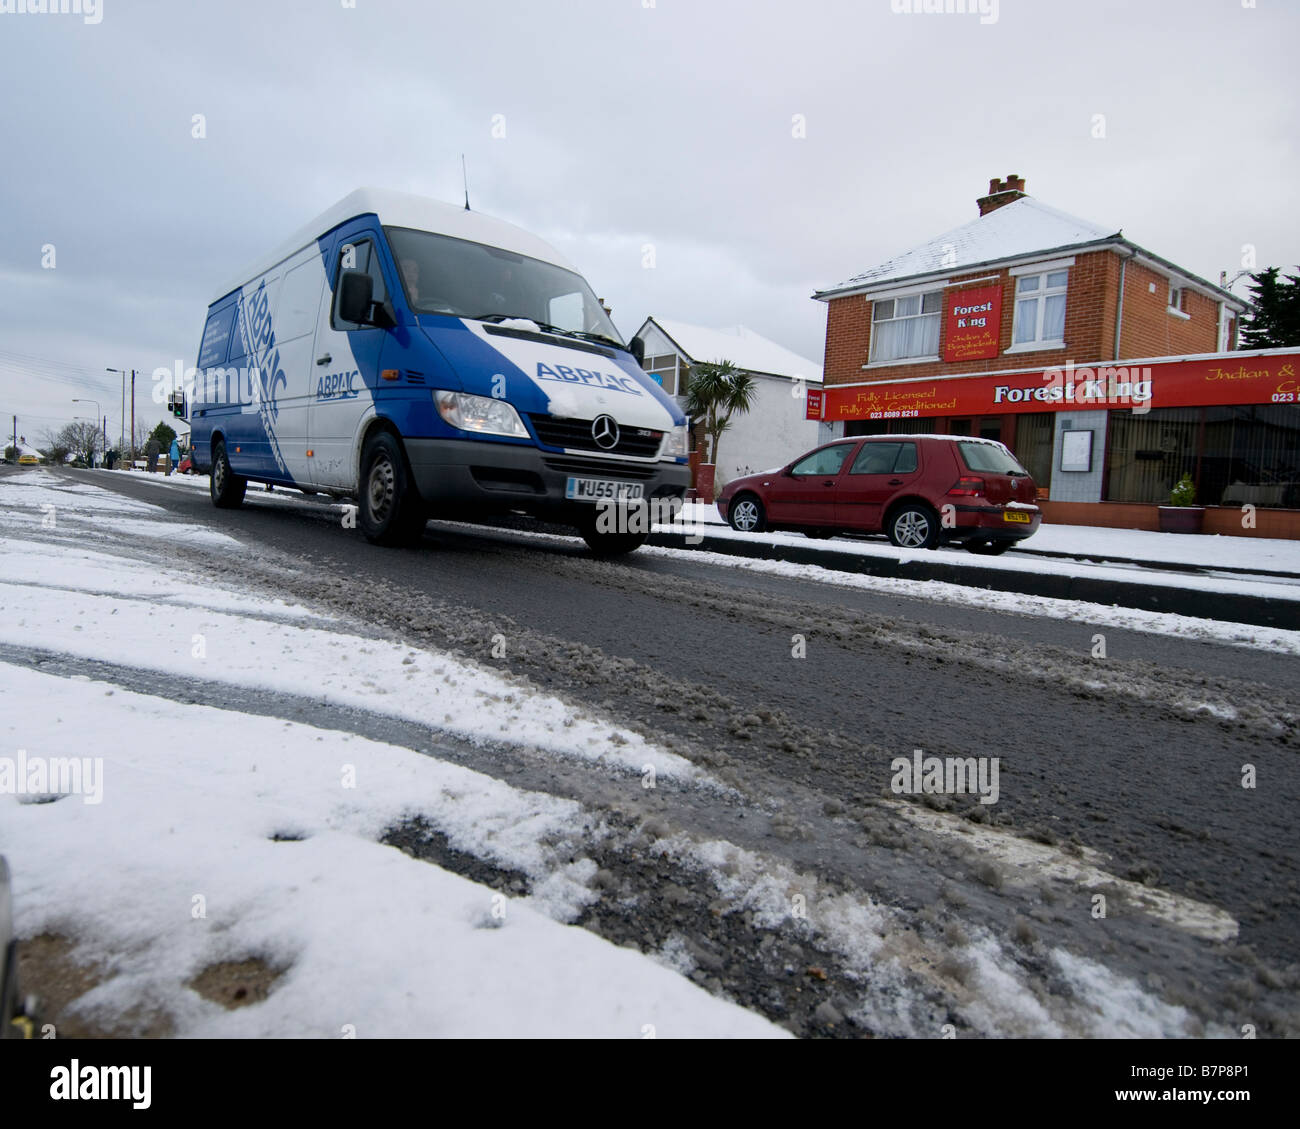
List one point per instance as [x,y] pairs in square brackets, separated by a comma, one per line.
[919,435]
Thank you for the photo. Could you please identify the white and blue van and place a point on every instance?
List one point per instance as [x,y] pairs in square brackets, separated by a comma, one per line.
[427,360]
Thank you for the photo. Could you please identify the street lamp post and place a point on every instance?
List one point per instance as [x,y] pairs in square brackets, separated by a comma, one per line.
[98,415]
[123,373]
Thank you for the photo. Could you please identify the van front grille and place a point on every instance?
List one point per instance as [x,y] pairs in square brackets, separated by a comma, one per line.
[575,435]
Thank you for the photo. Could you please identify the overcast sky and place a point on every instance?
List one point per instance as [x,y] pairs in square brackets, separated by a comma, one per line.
[621,123]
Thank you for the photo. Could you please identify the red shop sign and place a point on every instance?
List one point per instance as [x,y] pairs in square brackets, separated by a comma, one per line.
[972,323]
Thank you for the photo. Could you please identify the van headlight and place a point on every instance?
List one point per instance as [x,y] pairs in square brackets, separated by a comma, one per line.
[479,413]
[676,442]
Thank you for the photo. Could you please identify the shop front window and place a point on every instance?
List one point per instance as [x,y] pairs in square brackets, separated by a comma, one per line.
[1252,456]
[1034,437]
[1150,452]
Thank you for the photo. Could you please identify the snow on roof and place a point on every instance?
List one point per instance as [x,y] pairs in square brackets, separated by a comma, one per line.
[402,209]
[743,347]
[1023,227]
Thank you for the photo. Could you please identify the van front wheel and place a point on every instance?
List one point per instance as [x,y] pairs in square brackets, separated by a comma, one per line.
[227,488]
[389,509]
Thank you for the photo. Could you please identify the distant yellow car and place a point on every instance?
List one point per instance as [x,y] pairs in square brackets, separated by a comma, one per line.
[28,460]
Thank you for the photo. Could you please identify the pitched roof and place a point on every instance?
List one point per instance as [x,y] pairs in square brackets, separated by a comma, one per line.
[1023,227]
[742,347]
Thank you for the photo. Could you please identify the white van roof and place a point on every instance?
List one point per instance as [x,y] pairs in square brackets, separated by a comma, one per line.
[402,209]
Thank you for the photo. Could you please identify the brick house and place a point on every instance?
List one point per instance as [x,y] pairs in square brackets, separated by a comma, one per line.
[1105,367]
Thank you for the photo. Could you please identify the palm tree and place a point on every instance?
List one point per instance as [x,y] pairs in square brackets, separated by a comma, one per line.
[717,391]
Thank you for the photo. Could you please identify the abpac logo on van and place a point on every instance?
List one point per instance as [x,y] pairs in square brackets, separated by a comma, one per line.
[338,386]
[259,343]
[267,376]
[615,382]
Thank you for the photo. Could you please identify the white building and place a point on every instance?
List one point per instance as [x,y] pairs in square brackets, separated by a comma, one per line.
[774,430]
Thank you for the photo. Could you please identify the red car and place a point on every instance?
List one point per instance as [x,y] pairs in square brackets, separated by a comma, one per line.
[921,491]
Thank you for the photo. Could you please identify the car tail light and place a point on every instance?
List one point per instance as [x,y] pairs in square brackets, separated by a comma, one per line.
[968,487]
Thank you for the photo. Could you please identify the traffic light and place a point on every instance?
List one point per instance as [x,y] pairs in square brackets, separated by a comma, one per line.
[176,404]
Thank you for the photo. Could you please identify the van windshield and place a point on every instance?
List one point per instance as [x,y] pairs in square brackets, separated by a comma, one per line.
[442,275]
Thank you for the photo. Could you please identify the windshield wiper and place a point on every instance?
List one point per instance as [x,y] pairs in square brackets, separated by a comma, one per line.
[516,317]
[581,334]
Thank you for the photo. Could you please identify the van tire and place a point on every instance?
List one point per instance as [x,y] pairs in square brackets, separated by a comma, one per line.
[389,509]
[227,488]
[913,525]
[612,544]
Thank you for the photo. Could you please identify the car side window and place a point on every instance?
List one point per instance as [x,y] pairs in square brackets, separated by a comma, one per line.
[827,461]
[906,462]
[359,255]
[876,458]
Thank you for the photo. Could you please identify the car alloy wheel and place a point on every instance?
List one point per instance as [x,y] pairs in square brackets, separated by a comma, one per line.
[912,529]
[745,515]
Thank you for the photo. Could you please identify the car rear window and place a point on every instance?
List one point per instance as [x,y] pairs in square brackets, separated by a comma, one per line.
[989,458]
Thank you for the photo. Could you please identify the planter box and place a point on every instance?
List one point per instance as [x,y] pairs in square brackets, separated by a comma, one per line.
[704,474]
[1182,519]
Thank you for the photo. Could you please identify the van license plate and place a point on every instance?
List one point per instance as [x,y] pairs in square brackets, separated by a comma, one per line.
[1010,515]
[597,489]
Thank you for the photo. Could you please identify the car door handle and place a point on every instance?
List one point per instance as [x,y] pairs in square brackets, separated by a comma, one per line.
[324,360]
[829,482]
[895,482]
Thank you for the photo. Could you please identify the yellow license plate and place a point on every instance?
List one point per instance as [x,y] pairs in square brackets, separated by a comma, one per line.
[1016,515]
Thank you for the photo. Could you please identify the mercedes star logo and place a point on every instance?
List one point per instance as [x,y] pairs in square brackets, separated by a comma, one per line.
[605,432]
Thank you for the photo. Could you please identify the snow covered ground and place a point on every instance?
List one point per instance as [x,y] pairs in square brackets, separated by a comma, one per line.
[1204,551]
[212,836]
[202,837]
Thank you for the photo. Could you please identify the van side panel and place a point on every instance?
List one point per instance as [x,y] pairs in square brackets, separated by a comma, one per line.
[257,392]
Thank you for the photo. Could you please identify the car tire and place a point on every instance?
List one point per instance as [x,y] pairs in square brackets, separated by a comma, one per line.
[745,514]
[913,525]
[389,508]
[989,548]
[227,488]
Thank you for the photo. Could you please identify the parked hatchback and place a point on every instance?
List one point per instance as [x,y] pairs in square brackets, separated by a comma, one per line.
[921,491]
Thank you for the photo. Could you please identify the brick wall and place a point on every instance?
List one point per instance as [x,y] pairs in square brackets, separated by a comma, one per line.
[1150,330]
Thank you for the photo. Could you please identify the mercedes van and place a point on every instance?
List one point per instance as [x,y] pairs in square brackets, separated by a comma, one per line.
[426,360]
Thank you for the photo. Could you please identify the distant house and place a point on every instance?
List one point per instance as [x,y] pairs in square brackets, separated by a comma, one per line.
[775,429]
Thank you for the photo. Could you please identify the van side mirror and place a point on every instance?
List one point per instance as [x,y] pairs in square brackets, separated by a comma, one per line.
[356,295]
[637,348]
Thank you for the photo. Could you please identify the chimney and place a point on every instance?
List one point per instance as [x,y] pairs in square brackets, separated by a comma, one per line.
[1001,192]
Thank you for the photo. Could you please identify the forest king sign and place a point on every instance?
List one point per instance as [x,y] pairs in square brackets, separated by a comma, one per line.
[974,323]
[1271,377]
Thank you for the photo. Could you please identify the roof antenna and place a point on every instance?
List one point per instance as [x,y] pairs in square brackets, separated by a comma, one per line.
[465,177]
